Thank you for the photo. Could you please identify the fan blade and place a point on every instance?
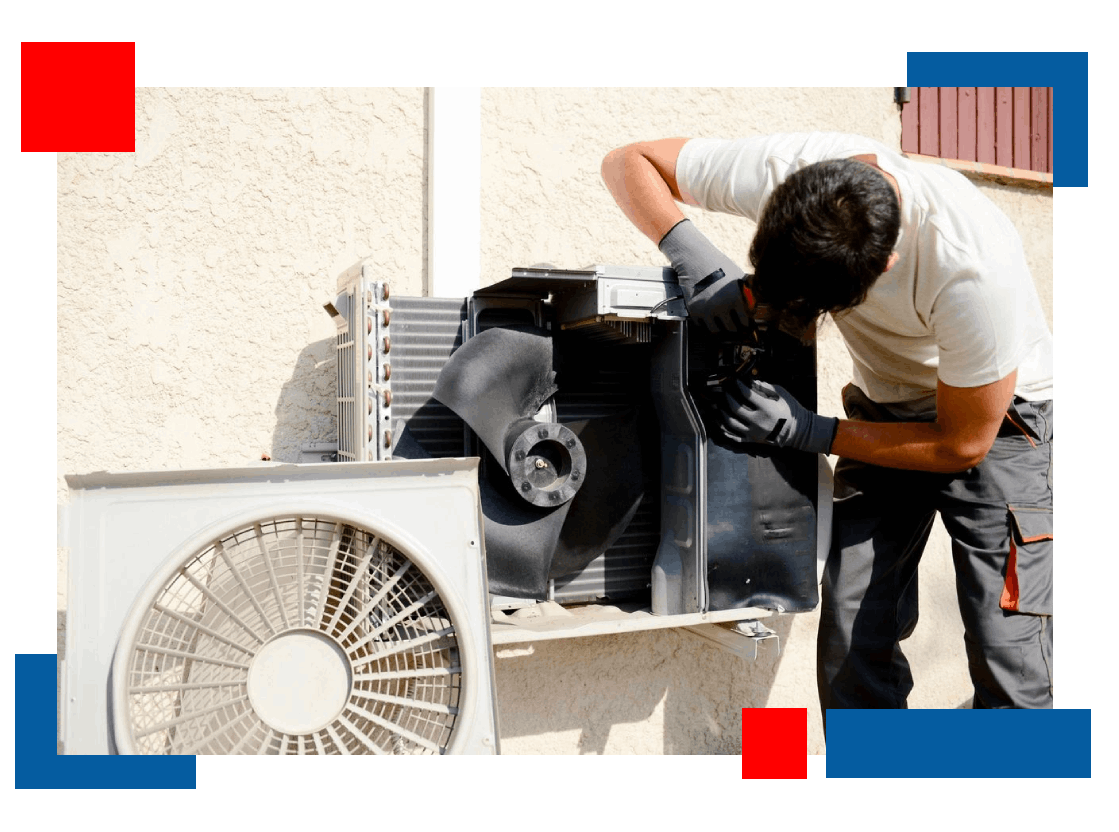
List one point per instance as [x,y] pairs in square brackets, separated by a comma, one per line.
[496,382]
[404,444]
[610,495]
[525,546]
[497,378]
[520,538]
[571,489]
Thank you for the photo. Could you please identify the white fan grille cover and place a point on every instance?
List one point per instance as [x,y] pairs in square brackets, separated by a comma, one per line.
[293,635]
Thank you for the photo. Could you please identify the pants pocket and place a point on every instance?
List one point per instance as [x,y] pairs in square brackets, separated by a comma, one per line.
[1028,587]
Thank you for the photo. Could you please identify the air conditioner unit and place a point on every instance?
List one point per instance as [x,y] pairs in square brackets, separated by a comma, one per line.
[594,374]
[554,425]
[278,609]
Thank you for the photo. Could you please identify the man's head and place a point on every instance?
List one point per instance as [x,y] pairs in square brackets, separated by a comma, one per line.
[825,235]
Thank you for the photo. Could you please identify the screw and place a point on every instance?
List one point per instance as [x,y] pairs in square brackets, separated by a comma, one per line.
[541,463]
[526,487]
[542,433]
[570,443]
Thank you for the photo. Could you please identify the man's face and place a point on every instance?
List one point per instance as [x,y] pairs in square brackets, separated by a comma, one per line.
[768,315]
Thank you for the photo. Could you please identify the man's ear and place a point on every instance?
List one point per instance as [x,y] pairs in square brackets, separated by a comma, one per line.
[894,257]
[870,159]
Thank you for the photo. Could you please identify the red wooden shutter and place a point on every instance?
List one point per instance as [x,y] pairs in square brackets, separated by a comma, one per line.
[1007,126]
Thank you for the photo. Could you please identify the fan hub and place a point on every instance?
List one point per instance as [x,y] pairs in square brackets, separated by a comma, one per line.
[545,461]
[299,681]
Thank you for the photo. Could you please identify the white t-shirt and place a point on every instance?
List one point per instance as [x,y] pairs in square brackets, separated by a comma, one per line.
[959,305]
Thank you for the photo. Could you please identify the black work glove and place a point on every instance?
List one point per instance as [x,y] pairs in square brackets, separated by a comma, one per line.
[713,285]
[768,414]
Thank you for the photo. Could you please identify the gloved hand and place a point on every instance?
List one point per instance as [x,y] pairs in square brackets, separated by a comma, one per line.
[713,285]
[768,414]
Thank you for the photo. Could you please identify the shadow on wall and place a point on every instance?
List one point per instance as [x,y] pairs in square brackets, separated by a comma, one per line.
[305,410]
[609,688]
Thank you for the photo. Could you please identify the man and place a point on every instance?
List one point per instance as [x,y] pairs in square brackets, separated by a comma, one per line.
[950,409]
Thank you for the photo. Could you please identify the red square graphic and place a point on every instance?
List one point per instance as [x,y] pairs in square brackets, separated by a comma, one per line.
[78,97]
[774,743]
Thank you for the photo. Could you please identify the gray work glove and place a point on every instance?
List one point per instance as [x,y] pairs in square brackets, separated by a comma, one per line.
[768,414]
[713,285]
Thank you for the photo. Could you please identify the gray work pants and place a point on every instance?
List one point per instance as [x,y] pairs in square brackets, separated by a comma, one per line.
[999,516]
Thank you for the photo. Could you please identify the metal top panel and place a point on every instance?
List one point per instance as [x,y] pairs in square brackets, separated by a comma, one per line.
[538,281]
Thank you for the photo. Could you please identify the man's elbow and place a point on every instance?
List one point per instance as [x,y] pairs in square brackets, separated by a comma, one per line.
[961,454]
[614,163]
[610,164]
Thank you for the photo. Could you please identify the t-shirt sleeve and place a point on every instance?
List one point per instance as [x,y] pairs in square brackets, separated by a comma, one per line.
[731,176]
[978,322]
[736,176]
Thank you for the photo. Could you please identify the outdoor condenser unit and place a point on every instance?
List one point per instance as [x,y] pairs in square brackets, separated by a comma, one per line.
[540,445]
[584,393]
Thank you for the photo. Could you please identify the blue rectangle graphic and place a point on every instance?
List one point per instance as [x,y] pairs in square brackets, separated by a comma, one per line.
[39,766]
[1065,72]
[959,743]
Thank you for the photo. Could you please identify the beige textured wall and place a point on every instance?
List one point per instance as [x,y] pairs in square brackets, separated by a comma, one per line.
[191,274]
[190,331]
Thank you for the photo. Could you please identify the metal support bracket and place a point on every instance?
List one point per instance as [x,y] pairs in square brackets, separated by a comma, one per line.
[739,637]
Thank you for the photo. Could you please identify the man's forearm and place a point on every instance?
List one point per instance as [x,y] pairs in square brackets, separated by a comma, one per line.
[642,191]
[917,446]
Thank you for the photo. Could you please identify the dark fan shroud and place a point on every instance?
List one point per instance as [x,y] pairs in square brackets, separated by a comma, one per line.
[554,495]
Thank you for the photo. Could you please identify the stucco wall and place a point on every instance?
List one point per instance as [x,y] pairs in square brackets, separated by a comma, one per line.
[190,331]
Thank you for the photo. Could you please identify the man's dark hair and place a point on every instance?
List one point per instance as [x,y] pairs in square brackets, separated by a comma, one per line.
[825,235]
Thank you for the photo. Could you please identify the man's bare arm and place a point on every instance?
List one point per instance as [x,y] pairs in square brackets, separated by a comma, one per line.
[968,420]
[642,179]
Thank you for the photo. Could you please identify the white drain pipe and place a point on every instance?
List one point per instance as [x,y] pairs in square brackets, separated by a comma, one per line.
[454,180]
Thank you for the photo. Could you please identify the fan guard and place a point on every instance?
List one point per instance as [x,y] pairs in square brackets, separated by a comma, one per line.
[296,634]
